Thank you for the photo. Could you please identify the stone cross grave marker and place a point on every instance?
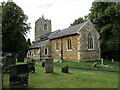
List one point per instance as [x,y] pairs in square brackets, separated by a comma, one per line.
[49,65]
[21,56]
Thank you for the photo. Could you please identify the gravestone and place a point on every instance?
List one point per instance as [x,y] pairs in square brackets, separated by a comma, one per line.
[65,69]
[102,61]
[43,63]
[7,61]
[112,60]
[49,65]
[19,76]
[31,67]
[94,65]
[21,56]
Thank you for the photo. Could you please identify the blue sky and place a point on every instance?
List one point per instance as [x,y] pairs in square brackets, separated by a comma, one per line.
[61,12]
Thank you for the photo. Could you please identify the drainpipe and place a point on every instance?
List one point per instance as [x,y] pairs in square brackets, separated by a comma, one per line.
[61,51]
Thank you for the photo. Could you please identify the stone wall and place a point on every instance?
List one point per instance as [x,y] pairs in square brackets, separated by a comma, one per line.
[33,53]
[84,52]
[71,55]
[39,54]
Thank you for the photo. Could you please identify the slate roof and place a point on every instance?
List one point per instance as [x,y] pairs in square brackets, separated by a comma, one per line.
[68,31]
[44,40]
[56,34]
[39,44]
[49,35]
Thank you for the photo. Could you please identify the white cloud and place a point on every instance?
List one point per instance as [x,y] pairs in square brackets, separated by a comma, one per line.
[61,12]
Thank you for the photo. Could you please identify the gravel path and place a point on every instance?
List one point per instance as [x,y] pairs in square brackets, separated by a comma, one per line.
[90,70]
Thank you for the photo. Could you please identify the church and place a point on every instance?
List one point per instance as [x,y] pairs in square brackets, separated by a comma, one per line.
[76,43]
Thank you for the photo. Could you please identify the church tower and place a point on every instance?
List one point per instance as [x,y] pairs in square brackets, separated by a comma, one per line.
[42,27]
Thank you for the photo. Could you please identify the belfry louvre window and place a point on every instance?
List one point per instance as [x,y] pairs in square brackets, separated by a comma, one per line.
[90,41]
[69,44]
[46,51]
[45,27]
[57,45]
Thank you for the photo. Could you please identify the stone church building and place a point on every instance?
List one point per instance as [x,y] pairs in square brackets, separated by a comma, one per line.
[75,43]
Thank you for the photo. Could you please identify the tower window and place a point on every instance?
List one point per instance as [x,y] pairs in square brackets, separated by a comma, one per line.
[45,27]
[57,45]
[90,41]
[69,44]
[46,51]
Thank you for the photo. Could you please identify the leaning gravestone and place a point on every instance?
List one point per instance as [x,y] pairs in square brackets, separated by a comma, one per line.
[19,76]
[21,56]
[65,69]
[49,65]
[94,65]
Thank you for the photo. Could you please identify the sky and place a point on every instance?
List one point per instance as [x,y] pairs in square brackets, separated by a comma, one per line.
[61,12]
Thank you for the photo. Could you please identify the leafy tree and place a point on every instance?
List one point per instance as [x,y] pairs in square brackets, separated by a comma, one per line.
[0,29]
[29,42]
[14,28]
[106,16]
[78,21]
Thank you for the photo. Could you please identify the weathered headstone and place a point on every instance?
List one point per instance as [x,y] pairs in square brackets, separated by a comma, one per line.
[49,65]
[60,60]
[31,67]
[19,76]
[43,63]
[102,61]
[7,61]
[94,65]
[21,56]
[65,69]
[112,60]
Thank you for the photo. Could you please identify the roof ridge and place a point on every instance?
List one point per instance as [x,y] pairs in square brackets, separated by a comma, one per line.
[75,25]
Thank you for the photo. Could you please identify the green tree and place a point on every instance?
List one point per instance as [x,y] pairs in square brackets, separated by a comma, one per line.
[0,29]
[106,16]
[79,20]
[29,42]
[14,28]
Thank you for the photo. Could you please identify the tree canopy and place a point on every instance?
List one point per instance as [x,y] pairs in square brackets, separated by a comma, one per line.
[79,20]
[106,16]
[14,28]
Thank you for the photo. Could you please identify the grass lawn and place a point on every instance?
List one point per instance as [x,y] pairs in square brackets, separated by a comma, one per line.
[113,66]
[74,79]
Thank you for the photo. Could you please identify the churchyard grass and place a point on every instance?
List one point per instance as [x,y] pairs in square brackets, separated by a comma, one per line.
[113,66]
[74,79]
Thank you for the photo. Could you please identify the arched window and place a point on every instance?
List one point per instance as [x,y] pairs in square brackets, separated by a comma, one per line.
[57,45]
[90,41]
[45,27]
[46,51]
[69,44]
